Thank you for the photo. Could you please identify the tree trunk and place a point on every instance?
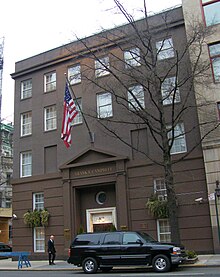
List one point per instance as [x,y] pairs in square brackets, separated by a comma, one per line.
[171,199]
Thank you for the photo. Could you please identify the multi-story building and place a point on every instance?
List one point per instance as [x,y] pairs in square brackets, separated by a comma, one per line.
[6,168]
[100,182]
[206,13]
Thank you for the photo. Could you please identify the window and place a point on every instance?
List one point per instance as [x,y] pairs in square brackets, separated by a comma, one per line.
[160,189]
[163,230]
[50,81]
[165,49]
[218,110]
[211,10]
[74,75]
[179,142]
[101,197]
[101,67]
[104,105]
[214,51]
[112,239]
[87,239]
[50,118]
[136,97]
[130,238]
[170,91]
[26,164]
[39,239]
[132,57]
[78,118]
[26,124]
[26,89]
[38,201]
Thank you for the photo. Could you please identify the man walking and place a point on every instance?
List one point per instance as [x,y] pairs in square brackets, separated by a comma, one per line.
[51,250]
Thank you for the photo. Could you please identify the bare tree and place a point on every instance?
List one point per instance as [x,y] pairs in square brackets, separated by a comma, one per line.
[152,85]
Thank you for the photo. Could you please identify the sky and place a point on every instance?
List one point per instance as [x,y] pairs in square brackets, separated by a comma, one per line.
[30,27]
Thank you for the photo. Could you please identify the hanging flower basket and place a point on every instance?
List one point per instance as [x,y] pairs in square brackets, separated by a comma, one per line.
[44,216]
[36,218]
[158,208]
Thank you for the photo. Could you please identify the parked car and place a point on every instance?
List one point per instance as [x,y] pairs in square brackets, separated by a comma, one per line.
[4,248]
[108,249]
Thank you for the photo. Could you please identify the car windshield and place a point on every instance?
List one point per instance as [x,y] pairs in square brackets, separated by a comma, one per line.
[147,237]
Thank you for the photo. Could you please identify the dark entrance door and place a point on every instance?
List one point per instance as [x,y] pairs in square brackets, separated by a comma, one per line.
[104,227]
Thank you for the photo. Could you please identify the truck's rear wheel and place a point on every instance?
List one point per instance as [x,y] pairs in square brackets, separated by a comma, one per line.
[89,265]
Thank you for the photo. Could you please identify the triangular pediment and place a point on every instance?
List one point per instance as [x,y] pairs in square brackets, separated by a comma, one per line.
[92,156]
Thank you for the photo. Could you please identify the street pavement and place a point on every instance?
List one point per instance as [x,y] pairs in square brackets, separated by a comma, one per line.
[9,264]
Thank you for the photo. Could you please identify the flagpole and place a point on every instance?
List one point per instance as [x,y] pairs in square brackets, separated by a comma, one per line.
[91,134]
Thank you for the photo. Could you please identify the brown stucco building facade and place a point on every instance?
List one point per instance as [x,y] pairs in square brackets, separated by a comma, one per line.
[95,185]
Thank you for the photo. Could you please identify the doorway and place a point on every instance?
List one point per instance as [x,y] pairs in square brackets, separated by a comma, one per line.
[101,219]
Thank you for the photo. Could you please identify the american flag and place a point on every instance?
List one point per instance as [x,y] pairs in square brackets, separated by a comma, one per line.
[69,112]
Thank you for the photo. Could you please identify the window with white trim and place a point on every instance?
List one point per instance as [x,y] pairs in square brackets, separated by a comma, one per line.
[39,239]
[26,164]
[218,110]
[163,230]
[170,91]
[179,141]
[38,201]
[50,118]
[104,105]
[50,82]
[165,49]
[136,97]
[101,67]
[26,124]
[132,57]
[211,9]
[26,89]
[74,74]
[78,118]
[160,189]
[214,50]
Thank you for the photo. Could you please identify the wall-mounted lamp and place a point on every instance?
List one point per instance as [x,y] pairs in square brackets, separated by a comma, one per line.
[14,216]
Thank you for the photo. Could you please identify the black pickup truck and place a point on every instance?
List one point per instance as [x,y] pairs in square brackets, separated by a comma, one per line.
[108,249]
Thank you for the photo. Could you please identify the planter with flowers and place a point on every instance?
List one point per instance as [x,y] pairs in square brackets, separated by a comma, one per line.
[36,218]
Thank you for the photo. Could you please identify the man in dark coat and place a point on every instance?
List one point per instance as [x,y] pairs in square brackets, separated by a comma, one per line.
[51,250]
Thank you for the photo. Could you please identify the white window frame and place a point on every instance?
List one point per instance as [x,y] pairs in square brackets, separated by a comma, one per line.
[74,74]
[160,189]
[215,6]
[138,92]
[169,89]
[50,118]
[179,143]
[26,123]
[38,201]
[40,239]
[165,233]
[132,57]
[78,119]
[104,108]
[26,89]
[101,67]
[214,52]
[26,164]
[165,49]
[50,82]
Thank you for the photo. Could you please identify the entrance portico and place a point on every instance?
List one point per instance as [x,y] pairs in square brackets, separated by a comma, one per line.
[95,193]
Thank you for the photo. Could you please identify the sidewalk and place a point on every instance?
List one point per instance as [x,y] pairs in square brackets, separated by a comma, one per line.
[8,264]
